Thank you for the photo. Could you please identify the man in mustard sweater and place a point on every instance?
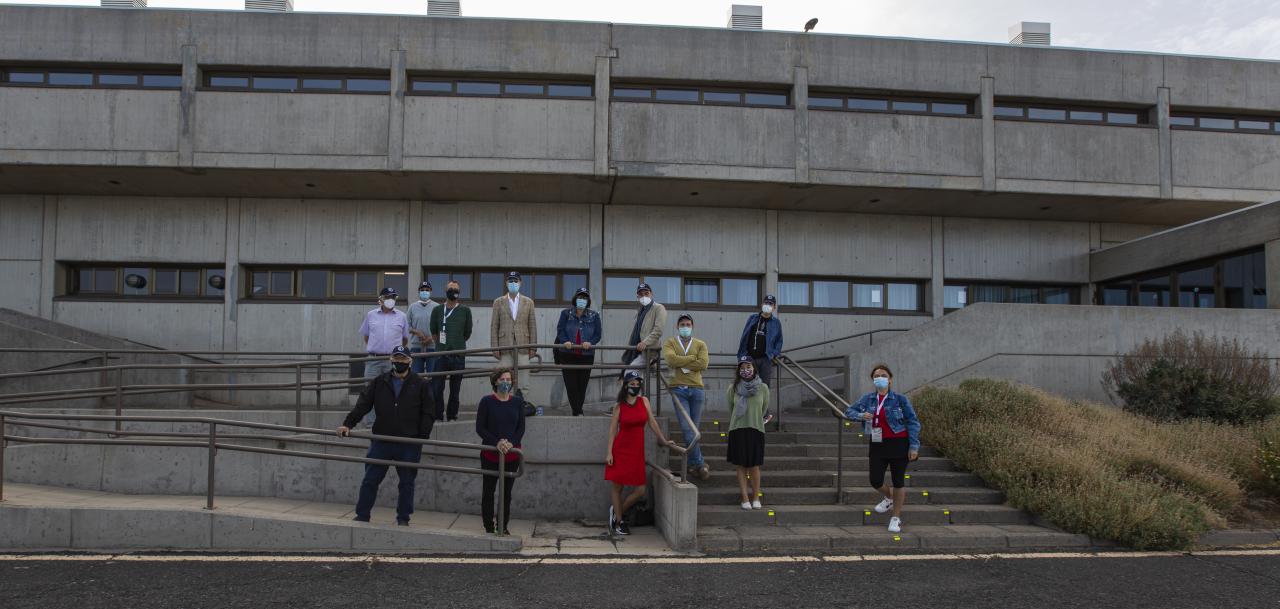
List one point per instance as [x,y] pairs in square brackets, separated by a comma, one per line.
[687,357]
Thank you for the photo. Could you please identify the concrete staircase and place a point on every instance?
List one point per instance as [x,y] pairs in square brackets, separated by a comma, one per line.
[945,508]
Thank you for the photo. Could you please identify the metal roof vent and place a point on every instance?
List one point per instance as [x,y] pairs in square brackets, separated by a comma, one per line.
[275,6]
[124,3]
[1030,33]
[746,17]
[444,8]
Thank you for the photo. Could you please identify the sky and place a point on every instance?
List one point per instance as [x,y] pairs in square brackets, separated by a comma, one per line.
[1230,28]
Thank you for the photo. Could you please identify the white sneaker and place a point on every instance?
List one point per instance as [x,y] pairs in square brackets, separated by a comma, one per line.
[755,504]
[746,505]
[884,506]
[895,525]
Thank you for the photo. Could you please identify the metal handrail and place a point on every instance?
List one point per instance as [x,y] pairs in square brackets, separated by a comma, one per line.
[786,363]
[684,414]
[870,333]
[22,419]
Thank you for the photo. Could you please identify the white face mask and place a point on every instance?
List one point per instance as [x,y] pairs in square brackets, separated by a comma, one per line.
[645,300]
[389,303]
[766,308]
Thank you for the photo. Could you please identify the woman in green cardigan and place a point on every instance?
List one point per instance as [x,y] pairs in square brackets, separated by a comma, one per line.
[748,399]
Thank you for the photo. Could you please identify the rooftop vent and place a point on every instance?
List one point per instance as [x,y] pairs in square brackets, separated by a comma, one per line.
[444,8]
[276,6]
[746,17]
[1029,32]
[124,3]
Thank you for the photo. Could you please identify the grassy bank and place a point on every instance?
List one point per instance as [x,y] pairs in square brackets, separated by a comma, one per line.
[1098,470]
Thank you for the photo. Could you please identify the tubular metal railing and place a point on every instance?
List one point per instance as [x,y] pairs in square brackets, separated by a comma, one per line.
[826,395]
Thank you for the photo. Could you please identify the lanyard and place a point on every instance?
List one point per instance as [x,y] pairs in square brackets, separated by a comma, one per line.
[686,347]
[879,409]
[445,317]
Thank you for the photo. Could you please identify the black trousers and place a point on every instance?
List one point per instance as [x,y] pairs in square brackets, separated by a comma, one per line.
[892,452]
[575,381]
[764,369]
[448,363]
[489,488]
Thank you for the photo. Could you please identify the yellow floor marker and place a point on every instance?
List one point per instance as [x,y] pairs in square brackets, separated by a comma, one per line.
[897,538]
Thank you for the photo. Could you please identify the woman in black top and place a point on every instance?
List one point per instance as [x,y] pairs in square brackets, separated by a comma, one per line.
[500,424]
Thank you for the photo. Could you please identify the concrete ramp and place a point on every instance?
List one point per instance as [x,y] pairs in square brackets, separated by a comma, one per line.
[47,518]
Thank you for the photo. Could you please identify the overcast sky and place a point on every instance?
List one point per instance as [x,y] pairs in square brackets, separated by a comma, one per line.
[1234,28]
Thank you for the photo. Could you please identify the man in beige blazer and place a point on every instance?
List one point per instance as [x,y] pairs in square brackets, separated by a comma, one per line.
[513,323]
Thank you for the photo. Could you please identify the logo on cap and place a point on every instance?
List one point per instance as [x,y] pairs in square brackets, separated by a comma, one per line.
[642,287]
[388,292]
[401,351]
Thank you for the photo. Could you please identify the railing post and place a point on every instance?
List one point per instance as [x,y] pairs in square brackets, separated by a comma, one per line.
[2,451]
[119,397]
[500,526]
[319,378]
[839,460]
[102,379]
[213,440]
[777,395]
[848,379]
[297,396]
[515,372]
[657,372]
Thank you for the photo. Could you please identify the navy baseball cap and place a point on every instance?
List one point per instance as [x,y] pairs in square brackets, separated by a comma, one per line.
[642,287]
[746,359]
[769,299]
[632,375]
[388,292]
[513,275]
[400,351]
[426,285]
[684,316]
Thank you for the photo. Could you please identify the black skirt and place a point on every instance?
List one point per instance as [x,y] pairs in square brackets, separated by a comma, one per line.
[746,447]
[890,448]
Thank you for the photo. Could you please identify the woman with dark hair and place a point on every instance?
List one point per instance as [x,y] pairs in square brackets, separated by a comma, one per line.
[748,398]
[577,331]
[500,424]
[891,424]
[624,463]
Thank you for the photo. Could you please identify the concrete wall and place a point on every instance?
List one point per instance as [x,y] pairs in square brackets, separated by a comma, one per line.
[1076,153]
[887,143]
[323,232]
[21,230]
[118,121]
[124,229]
[1017,250]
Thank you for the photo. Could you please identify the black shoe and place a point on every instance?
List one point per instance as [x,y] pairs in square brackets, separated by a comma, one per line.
[359,519]
[506,532]
[488,529]
[621,528]
[403,523]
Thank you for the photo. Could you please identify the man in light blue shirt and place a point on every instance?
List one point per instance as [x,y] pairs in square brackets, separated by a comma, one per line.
[384,329]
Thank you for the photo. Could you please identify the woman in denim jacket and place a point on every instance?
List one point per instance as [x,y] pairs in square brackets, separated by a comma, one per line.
[890,423]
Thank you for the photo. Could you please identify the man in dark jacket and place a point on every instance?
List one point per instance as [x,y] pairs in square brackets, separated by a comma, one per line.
[404,407]
[762,338]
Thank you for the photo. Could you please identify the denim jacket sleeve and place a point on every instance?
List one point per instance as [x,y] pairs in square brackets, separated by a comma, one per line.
[912,422]
[746,332]
[856,409]
[562,332]
[594,331]
[775,339]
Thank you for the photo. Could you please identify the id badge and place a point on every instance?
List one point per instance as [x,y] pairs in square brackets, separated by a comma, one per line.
[877,434]
[443,337]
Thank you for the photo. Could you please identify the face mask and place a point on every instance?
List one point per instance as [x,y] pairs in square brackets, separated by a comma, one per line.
[513,287]
[451,294]
[880,382]
[504,387]
[389,303]
[633,390]
[400,366]
[581,303]
[766,308]
[424,295]
[645,300]
[686,331]
[747,373]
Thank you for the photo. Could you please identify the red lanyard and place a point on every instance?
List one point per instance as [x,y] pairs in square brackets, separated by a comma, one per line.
[879,409]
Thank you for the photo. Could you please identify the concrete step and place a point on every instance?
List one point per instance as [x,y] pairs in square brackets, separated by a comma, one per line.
[828,464]
[914,537]
[961,495]
[851,449]
[793,437]
[826,479]
[847,515]
[710,425]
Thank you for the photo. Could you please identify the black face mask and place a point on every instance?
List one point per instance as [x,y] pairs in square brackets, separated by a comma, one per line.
[451,294]
[400,367]
[633,391]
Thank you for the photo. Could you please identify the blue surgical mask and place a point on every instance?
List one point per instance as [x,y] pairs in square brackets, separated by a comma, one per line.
[581,303]
[513,287]
[686,331]
[424,295]
[880,382]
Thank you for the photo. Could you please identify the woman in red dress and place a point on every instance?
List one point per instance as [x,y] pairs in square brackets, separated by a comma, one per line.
[624,463]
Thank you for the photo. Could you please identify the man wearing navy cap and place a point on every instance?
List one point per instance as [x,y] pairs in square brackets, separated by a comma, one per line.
[646,333]
[384,329]
[762,338]
[513,323]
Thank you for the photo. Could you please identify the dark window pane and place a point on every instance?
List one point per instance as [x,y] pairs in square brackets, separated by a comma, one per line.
[1182,121]
[26,77]
[569,90]
[988,293]
[275,83]
[858,103]
[1006,111]
[826,102]
[794,293]
[166,281]
[1122,118]
[909,106]
[258,286]
[322,84]
[625,93]
[433,86]
[570,284]
[231,82]
[701,291]
[1244,281]
[492,285]
[540,286]
[440,281]
[368,85]
[1207,122]
[949,108]
[1116,295]
[104,281]
[1248,124]
[766,99]
[344,283]
[84,280]
[665,289]
[721,97]
[366,283]
[162,81]
[523,89]
[680,95]
[954,297]
[189,284]
[76,79]
[314,283]
[479,88]
[868,296]
[1047,114]
[215,282]
[282,283]
[1057,295]
[831,294]
[1086,115]
[398,281]
[1154,292]
[1195,288]
[740,292]
[1024,295]
[137,281]
[904,297]
[620,288]
[118,80]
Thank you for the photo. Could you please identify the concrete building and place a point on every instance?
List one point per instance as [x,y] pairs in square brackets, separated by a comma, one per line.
[247,180]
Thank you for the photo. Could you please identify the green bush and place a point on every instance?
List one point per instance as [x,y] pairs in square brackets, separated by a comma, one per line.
[1194,377]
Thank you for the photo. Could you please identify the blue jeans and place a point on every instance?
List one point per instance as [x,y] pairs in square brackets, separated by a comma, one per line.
[373,475]
[692,398]
[424,364]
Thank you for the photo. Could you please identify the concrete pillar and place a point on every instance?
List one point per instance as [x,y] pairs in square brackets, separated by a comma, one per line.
[937,276]
[602,88]
[987,102]
[1272,257]
[395,113]
[800,94]
[187,108]
[595,265]
[230,294]
[771,251]
[415,233]
[48,257]
[1166,143]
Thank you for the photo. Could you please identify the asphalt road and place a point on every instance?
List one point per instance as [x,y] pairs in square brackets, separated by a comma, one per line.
[1208,581]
